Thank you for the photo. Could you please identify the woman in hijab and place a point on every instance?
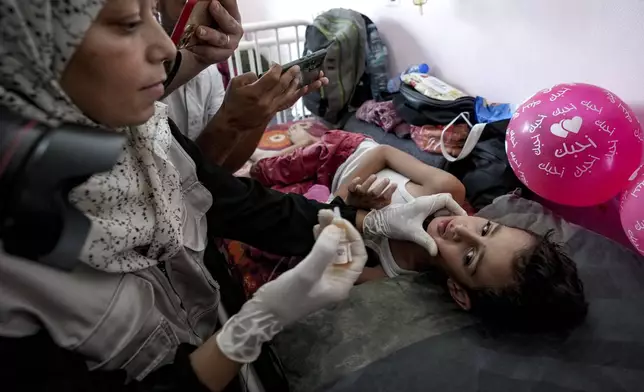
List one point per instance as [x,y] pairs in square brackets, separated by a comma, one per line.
[139,310]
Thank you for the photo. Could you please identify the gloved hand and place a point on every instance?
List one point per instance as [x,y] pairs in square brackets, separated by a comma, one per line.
[313,284]
[405,221]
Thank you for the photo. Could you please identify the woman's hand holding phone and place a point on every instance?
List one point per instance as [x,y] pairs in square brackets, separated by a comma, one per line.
[249,105]
[295,91]
[272,92]
[283,89]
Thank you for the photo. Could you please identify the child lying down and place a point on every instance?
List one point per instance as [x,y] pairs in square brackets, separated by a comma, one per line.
[494,270]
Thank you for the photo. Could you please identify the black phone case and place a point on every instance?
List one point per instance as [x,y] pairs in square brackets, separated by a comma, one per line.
[310,66]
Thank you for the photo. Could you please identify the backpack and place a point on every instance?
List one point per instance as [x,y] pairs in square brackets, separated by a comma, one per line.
[418,109]
[356,62]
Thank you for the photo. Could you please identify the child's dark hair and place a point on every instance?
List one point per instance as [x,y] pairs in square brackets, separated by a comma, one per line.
[547,294]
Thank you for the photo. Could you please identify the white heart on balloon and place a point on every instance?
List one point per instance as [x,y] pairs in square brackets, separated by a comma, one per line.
[635,173]
[562,128]
[557,130]
[573,125]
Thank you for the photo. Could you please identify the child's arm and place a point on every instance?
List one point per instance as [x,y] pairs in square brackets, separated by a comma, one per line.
[424,179]
[371,162]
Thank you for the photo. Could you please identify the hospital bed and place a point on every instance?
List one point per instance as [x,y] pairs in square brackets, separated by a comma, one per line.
[404,334]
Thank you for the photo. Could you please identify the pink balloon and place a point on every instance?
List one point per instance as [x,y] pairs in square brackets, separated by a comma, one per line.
[574,144]
[631,211]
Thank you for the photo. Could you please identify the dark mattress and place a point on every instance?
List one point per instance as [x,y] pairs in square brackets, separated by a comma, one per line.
[406,145]
[403,335]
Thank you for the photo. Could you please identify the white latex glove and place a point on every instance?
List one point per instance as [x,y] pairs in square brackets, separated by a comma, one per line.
[405,221]
[313,284]
[325,218]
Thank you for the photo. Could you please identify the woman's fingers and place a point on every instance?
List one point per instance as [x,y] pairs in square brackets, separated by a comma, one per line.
[319,82]
[217,43]
[243,80]
[291,95]
[285,82]
[269,80]
[225,21]
[288,91]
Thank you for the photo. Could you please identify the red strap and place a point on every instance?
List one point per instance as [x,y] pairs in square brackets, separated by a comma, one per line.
[180,27]
[4,163]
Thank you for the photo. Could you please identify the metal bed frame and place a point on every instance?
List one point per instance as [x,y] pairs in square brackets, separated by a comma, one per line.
[277,42]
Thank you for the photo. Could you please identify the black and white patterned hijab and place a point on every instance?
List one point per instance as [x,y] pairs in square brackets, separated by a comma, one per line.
[136,208]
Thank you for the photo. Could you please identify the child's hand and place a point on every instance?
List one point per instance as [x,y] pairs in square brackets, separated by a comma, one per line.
[372,193]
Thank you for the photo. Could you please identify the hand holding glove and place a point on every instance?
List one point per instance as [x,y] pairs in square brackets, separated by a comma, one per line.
[405,221]
[313,284]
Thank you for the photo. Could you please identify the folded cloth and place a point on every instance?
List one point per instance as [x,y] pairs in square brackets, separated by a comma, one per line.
[253,266]
[244,171]
[319,193]
[403,131]
[382,114]
[312,126]
[298,171]
[490,112]
[427,137]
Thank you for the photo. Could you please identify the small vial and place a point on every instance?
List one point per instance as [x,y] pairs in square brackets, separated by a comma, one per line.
[344,250]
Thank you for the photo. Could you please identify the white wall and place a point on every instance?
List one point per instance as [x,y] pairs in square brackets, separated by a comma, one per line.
[504,50]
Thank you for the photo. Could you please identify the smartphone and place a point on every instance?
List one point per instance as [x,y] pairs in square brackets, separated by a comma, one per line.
[310,66]
[195,13]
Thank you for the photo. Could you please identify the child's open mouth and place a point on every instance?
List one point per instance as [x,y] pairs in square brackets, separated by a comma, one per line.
[442,227]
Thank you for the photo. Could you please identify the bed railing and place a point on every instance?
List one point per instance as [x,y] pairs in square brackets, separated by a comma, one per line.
[265,43]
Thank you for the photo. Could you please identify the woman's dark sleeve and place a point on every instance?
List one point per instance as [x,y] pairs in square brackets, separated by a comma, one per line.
[276,222]
[173,69]
[246,211]
[35,363]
